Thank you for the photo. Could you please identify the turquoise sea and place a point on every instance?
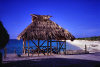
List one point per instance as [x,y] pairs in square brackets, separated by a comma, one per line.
[17,45]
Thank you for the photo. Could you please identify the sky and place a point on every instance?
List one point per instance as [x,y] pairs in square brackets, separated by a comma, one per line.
[80,17]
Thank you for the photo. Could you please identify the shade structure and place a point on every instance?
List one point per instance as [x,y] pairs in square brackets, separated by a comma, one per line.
[42,28]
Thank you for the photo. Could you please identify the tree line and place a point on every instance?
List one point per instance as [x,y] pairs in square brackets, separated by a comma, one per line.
[95,38]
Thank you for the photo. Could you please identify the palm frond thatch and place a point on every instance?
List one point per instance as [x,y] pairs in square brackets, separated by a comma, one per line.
[42,28]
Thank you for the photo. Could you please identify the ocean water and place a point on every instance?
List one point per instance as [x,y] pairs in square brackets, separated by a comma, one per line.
[16,45]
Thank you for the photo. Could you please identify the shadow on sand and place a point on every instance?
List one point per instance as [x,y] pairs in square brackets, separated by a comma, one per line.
[53,62]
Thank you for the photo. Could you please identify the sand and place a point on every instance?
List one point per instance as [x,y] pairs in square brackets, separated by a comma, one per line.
[83,60]
[92,56]
[92,46]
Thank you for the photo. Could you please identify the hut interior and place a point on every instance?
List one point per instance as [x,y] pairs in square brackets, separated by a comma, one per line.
[42,29]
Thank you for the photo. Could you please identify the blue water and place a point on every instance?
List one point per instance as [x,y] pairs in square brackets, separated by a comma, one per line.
[17,45]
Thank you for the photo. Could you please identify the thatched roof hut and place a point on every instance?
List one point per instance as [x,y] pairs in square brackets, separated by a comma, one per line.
[42,28]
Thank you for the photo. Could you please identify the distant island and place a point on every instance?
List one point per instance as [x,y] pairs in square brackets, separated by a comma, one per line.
[95,38]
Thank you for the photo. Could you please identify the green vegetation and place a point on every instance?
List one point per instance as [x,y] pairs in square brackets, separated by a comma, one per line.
[96,38]
[4,36]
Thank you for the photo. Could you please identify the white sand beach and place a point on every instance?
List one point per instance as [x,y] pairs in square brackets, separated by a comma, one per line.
[92,46]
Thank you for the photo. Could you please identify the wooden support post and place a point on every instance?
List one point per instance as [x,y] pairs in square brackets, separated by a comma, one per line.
[57,48]
[47,47]
[15,51]
[38,47]
[85,48]
[50,47]
[23,46]
[5,52]
[28,47]
[65,48]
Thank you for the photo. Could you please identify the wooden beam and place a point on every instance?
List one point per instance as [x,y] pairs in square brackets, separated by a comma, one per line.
[61,45]
[57,41]
[34,44]
[42,43]
[28,48]
[38,47]
[50,47]
[47,47]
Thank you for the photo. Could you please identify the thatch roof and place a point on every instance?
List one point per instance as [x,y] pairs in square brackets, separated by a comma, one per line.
[42,28]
